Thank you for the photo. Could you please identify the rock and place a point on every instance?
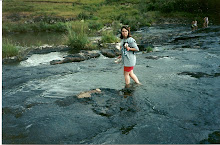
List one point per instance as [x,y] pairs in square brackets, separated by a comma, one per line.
[214,138]
[53,62]
[111,53]
[8,60]
[90,54]
[83,55]
[155,57]
[74,58]
[88,93]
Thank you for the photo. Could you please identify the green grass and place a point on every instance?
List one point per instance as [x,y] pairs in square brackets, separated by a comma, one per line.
[98,13]
[9,49]
[109,37]
[149,49]
[77,38]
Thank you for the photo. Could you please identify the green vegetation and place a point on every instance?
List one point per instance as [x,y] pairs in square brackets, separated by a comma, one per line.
[51,15]
[77,38]
[9,49]
[149,49]
[82,18]
[109,37]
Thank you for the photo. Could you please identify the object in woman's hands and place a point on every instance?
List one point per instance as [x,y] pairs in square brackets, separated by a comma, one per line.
[126,45]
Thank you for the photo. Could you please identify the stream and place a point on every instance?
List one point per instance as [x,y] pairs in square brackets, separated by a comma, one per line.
[177,103]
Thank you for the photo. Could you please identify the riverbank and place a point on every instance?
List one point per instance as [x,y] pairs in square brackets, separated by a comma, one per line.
[47,16]
[178,101]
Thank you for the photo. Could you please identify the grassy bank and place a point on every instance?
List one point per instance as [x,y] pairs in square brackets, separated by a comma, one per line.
[51,15]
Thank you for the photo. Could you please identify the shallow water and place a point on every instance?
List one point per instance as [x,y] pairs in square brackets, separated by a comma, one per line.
[178,101]
[35,39]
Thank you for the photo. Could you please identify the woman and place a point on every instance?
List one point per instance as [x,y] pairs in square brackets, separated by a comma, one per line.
[128,47]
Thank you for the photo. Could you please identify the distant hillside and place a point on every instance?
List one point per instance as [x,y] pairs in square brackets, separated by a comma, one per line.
[100,13]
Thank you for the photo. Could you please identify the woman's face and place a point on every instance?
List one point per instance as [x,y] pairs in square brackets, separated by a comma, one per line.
[124,33]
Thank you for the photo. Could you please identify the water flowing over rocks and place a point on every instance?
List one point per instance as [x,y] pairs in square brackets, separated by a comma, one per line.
[86,102]
[27,52]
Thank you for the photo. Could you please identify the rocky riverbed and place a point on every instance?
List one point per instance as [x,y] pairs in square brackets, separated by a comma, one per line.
[87,102]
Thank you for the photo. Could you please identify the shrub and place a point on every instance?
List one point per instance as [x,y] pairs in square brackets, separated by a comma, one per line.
[9,49]
[84,16]
[95,25]
[116,27]
[109,37]
[149,49]
[77,40]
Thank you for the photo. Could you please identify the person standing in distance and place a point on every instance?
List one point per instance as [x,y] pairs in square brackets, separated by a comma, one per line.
[128,47]
[206,22]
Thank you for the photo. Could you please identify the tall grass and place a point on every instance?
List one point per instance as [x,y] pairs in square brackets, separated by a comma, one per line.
[9,49]
[109,37]
[77,38]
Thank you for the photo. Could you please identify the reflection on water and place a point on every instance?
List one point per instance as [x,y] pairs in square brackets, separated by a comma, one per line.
[35,39]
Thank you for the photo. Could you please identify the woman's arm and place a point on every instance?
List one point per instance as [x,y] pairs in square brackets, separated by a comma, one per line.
[131,49]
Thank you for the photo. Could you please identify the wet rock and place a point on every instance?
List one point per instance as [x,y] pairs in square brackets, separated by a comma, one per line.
[199,74]
[155,57]
[90,54]
[83,55]
[214,138]
[17,111]
[194,74]
[88,93]
[10,60]
[126,130]
[67,101]
[111,53]
[74,58]
[53,62]
[185,38]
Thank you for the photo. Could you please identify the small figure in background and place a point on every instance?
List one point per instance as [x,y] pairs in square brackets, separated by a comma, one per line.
[194,25]
[206,22]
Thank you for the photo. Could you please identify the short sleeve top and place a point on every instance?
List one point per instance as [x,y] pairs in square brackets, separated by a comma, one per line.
[129,57]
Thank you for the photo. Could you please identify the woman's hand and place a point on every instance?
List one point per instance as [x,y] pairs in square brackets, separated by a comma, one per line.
[128,48]
[119,57]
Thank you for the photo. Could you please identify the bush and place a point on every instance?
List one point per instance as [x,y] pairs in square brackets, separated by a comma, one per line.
[9,49]
[116,27]
[149,49]
[95,25]
[109,37]
[84,16]
[77,40]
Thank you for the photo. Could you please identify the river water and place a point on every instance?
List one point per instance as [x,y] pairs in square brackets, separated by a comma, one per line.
[36,39]
[177,103]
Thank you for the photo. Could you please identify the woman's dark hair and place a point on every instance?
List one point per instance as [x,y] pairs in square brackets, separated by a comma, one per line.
[127,28]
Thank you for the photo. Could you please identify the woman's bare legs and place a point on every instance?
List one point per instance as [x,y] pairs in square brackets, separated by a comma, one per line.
[127,78]
[131,74]
[134,77]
